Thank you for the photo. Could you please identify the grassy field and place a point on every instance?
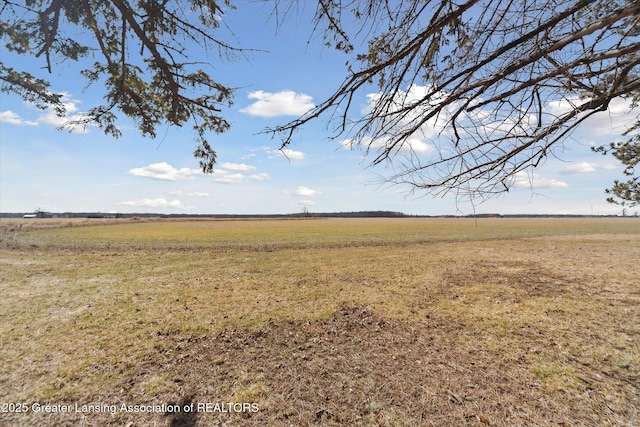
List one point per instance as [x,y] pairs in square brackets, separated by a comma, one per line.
[392,322]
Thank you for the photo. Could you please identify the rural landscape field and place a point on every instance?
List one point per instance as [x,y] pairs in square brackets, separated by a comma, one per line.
[320,322]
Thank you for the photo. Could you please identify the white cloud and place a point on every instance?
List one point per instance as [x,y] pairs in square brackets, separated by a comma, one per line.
[524,180]
[583,167]
[614,121]
[260,177]
[416,145]
[10,117]
[164,171]
[283,103]
[291,154]
[238,167]
[190,194]
[158,202]
[14,119]
[306,192]
[412,108]
[49,117]
[71,106]
[419,146]
[414,100]
[609,166]
[480,124]
[561,106]
[234,178]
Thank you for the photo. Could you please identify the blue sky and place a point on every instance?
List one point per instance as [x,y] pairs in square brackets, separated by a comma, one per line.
[42,167]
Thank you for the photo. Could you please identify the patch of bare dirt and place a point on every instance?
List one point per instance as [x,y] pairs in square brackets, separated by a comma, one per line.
[529,277]
[360,369]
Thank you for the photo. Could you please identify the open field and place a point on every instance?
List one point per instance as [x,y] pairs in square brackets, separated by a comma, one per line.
[391,322]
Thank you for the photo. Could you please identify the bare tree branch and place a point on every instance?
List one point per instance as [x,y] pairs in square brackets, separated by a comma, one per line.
[475,86]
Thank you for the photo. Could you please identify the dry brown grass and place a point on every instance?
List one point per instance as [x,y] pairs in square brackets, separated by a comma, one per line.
[424,322]
[26,224]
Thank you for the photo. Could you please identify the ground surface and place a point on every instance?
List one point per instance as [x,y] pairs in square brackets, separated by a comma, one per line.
[394,322]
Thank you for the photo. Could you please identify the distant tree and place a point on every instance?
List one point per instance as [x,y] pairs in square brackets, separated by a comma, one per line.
[626,193]
[470,93]
[141,55]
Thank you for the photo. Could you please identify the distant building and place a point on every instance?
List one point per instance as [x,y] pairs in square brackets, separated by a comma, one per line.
[38,214]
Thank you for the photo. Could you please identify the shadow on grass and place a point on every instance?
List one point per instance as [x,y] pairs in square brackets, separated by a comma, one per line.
[182,418]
